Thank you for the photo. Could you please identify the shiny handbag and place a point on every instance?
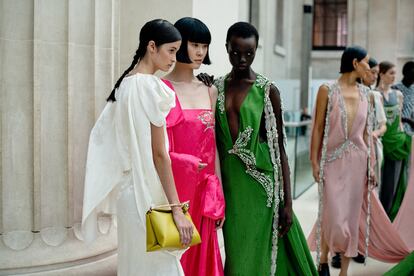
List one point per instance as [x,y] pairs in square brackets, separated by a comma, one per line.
[162,233]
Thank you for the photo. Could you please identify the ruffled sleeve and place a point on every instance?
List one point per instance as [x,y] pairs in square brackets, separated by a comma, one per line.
[156,98]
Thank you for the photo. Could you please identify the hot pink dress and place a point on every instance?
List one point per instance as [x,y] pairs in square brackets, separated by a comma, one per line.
[192,140]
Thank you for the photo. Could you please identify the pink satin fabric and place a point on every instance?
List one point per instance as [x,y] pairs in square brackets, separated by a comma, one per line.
[192,140]
[390,241]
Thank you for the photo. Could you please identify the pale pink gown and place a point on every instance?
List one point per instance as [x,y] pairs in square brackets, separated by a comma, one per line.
[345,172]
[345,194]
[191,136]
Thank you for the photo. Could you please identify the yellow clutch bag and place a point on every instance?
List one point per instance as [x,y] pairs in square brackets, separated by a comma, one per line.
[161,230]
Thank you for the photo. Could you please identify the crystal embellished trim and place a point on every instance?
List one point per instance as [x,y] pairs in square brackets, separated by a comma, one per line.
[339,151]
[322,176]
[273,143]
[239,149]
[207,118]
[219,83]
[370,123]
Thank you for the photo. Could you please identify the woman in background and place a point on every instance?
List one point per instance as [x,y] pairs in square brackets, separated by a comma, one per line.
[397,144]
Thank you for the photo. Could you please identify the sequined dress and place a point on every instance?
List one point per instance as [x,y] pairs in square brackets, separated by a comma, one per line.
[345,175]
[248,178]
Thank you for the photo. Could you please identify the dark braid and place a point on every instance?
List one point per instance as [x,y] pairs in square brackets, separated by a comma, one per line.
[111,97]
[158,30]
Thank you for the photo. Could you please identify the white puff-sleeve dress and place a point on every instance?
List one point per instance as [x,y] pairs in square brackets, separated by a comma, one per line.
[121,177]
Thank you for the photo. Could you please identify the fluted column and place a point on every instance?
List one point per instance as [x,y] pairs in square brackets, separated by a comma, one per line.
[58,60]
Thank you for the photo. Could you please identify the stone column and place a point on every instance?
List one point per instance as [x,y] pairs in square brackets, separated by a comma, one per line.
[58,60]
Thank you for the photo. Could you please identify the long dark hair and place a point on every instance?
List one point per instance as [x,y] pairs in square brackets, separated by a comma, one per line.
[192,29]
[348,56]
[158,30]
[383,68]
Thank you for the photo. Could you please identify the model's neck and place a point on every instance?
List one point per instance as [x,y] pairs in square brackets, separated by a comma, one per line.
[384,87]
[245,74]
[348,79]
[144,66]
[181,73]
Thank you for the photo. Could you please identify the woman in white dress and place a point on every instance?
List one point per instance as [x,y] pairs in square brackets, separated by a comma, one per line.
[128,168]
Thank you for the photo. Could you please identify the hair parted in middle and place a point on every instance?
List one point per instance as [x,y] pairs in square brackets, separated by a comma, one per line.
[193,30]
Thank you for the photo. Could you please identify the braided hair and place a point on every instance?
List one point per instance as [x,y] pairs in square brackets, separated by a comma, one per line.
[158,30]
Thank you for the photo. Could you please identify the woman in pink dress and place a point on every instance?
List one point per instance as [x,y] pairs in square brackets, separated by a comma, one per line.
[339,154]
[190,127]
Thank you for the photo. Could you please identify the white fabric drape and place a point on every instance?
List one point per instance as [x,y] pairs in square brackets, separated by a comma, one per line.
[119,156]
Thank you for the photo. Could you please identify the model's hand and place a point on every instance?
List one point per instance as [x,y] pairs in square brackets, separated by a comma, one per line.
[184,226]
[373,177]
[315,172]
[201,165]
[220,223]
[285,219]
[375,135]
[206,79]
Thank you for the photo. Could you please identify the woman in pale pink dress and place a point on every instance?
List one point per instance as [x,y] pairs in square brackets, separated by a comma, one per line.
[339,154]
[191,135]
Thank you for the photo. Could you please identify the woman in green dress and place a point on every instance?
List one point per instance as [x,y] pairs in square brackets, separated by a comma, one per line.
[396,144]
[262,235]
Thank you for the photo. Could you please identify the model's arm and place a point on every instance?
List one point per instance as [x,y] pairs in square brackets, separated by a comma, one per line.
[372,152]
[162,164]
[401,102]
[213,97]
[318,130]
[380,117]
[285,214]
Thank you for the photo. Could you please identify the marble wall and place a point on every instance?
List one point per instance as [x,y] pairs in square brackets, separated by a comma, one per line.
[58,61]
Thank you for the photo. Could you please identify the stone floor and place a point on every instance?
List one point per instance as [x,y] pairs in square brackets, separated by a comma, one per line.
[305,208]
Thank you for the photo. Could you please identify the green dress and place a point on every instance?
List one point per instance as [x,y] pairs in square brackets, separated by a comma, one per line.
[397,149]
[404,268]
[248,228]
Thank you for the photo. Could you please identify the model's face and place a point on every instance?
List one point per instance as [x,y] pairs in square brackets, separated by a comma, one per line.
[241,52]
[164,55]
[362,67]
[371,76]
[196,52]
[388,77]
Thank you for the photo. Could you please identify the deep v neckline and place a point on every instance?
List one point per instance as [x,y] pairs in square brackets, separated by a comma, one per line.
[239,111]
[345,117]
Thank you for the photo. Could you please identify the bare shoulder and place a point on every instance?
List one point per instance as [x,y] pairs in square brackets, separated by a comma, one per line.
[213,92]
[323,91]
[399,93]
[274,89]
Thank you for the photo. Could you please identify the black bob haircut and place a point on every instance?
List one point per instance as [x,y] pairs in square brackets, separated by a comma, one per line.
[348,56]
[243,30]
[192,29]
